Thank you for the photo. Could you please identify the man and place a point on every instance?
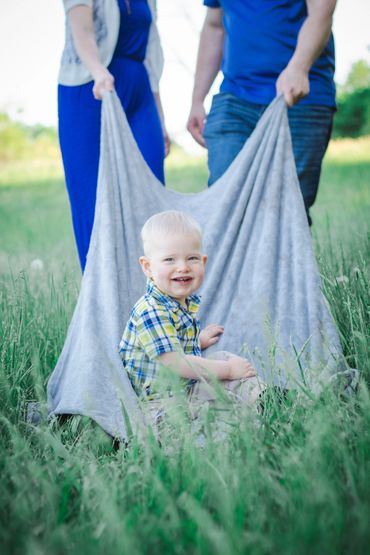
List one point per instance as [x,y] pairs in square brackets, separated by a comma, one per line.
[266,47]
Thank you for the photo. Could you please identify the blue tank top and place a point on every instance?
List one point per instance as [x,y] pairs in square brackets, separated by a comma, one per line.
[136,19]
[260,38]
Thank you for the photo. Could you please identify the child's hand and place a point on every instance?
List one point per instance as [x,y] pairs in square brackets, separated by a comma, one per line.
[210,335]
[240,368]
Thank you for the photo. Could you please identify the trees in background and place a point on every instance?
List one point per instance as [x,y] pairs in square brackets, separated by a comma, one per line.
[18,140]
[352,119]
[353,116]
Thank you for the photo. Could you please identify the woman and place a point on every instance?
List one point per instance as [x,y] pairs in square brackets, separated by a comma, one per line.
[107,44]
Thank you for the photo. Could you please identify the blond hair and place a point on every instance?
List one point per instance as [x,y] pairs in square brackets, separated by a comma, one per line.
[170,222]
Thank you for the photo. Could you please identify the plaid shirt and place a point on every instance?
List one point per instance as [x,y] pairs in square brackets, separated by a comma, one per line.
[158,324]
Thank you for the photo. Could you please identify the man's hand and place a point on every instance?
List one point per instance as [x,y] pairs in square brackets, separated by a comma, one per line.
[195,123]
[293,84]
[240,368]
[312,37]
[210,335]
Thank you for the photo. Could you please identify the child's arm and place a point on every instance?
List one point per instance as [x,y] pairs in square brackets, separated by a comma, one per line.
[194,367]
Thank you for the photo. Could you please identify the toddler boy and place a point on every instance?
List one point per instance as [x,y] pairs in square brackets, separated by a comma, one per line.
[163,328]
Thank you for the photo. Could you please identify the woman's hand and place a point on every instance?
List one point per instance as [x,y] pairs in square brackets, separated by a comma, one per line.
[166,138]
[210,335]
[103,81]
[167,143]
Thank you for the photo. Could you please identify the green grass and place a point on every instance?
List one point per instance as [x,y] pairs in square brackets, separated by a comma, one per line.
[292,481]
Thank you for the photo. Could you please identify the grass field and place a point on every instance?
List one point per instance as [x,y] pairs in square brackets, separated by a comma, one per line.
[293,481]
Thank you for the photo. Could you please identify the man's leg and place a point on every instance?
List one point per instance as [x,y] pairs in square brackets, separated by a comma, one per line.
[310,127]
[231,121]
[229,124]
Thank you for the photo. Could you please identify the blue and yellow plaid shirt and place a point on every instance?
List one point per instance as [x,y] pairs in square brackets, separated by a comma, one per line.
[158,324]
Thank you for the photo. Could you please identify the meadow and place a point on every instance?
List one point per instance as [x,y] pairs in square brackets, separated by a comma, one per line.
[293,480]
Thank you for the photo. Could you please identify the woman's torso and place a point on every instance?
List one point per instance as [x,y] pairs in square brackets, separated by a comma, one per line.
[135,37]
[134,29]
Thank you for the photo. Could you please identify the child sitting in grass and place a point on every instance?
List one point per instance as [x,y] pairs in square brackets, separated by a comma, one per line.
[163,328]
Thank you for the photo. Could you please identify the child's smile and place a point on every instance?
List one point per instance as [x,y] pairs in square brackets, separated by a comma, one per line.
[176,265]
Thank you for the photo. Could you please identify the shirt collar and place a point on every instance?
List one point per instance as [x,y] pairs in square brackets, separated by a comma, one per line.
[192,302]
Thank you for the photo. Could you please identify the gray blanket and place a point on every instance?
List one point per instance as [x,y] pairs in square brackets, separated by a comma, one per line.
[261,284]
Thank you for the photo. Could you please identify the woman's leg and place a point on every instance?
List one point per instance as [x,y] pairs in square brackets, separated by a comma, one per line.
[133,89]
[79,137]
[147,130]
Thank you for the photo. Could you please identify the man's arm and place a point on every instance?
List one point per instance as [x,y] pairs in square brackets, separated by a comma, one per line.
[293,81]
[208,65]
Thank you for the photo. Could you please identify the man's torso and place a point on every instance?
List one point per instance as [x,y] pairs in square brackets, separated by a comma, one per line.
[260,38]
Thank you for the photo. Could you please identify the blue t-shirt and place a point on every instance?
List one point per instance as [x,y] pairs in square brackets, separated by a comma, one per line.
[260,38]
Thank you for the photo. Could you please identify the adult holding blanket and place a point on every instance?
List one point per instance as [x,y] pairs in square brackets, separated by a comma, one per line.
[266,48]
[109,44]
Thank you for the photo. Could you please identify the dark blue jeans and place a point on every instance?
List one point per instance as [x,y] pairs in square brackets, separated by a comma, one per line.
[232,120]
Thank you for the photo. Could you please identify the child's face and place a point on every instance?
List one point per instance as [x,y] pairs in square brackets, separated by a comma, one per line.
[175,264]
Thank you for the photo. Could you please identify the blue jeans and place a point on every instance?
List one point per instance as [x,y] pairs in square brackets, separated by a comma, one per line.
[232,120]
